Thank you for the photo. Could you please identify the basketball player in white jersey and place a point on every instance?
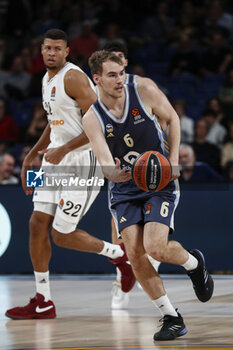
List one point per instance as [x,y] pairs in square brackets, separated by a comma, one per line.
[120,299]
[67,93]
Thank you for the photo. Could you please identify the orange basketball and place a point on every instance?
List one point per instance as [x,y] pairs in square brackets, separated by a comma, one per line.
[151,171]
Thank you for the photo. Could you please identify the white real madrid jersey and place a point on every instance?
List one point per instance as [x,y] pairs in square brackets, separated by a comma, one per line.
[63,113]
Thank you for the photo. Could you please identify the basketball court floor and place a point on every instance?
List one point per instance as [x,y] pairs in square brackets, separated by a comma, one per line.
[85,319]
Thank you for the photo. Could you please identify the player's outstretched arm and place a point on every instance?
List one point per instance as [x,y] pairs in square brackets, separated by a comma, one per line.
[111,169]
[158,104]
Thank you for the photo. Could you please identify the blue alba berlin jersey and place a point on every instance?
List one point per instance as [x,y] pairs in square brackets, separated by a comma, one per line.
[136,132]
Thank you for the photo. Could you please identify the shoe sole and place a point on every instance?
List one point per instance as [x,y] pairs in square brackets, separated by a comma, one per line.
[211,288]
[183,332]
[202,255]
[35,317]
[210,280]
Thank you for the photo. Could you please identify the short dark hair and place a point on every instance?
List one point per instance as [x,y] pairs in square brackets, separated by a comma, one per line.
[56,34]
[99,57]
[116,46]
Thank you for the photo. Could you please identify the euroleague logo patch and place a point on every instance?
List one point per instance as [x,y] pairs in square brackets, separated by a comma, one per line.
[53,92]
[135,112]
[137,116]
[61,203]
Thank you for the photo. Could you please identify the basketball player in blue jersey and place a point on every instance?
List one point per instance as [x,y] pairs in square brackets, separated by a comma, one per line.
[67,91]
[120,299]
[144,218]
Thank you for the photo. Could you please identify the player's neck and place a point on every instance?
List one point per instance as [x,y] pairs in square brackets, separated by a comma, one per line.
[53,72]
[112,102]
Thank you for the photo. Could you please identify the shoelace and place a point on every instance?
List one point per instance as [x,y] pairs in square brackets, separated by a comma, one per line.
[162,323]
[164,319]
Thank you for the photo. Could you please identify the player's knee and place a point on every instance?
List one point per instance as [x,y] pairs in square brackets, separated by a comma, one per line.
[156,253]
[38,225]
[155,249]
[134,256]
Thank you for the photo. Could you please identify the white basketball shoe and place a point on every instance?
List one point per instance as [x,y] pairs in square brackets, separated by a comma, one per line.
[120,299]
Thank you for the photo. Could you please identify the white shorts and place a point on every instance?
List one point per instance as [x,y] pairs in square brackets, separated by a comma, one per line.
[68,206]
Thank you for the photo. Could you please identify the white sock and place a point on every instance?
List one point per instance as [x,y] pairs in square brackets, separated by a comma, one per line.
[164,305]
[112,251]
[191,263]
[42,284]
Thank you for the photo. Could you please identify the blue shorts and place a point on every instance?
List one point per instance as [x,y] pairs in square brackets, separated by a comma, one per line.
[139,211]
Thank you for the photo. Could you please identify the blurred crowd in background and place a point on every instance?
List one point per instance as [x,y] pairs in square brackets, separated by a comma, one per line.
[186,47]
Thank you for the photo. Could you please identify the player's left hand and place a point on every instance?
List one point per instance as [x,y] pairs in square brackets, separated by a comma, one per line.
[53,155]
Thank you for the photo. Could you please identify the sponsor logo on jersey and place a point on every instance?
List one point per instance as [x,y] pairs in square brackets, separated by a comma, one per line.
[35,178]
[109,130]
[137,116]
[56,122]
[148,208]
[53,91]
[61,203]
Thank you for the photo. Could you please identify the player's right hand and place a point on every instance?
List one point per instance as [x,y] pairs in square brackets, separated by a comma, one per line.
[117,174]
[26,166]
[53,155]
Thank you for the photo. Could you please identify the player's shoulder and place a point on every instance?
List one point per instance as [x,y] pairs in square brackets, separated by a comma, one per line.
[146,82]
[147,87]
[75,74]
[77,80]
[90,121]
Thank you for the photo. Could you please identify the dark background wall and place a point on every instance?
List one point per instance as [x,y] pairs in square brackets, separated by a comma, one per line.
[204,220]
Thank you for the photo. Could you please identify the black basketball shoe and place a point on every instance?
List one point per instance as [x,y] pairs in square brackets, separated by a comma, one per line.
[173,327]
[203,283]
